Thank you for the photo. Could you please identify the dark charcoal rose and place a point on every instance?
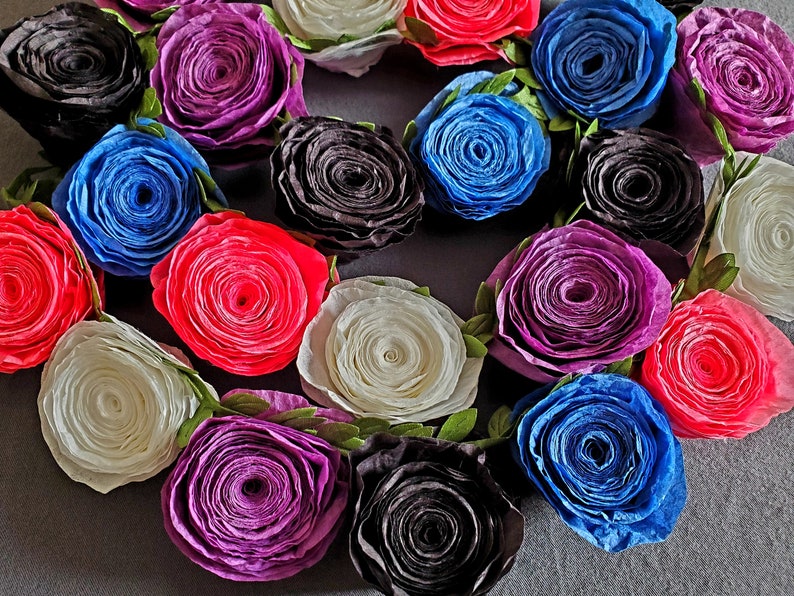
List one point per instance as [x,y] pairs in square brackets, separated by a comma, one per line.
[68,76]
[350,188]
[429,519]
[680,7]
[642,182]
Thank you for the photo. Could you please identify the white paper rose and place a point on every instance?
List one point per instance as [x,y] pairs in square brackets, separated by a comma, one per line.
[370,24]
[757,225]
[111,403]
[387,351]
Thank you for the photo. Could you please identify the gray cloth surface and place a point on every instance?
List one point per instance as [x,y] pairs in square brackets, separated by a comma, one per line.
[60,537]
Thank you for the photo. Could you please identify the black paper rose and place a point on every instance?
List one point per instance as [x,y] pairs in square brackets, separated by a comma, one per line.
[429,519]
[350,188]
[642,183]
[680,7]
[68,76]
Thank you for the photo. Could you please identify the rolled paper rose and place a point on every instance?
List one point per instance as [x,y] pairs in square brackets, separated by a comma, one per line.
[68,76]
[111,403]
[379,348]
[226,79]
[465,33]
[340,35]
[132,197]
[280,402]
[481,154]
[719,368]
[757,226]
[251,500]
[642,183]
[576,299]
[45,286]
[601,451]
[240,292]
[429,518]
[350,188]
[604,59]
[743,62]
[680,7]
[138,13]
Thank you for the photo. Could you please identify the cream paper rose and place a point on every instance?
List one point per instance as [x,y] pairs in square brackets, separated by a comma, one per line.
[757,225]
[370,25]
[111,403]
[379,348]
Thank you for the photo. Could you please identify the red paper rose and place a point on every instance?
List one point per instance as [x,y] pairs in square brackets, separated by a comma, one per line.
[719,368]
[467,32]
[240,292]
[45,286]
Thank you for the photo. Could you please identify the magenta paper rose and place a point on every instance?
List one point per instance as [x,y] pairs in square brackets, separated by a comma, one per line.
[745,64]
[576,299]
[252,500]
[227,80]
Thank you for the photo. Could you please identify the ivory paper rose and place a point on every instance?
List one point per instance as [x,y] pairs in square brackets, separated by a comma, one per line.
[111,403]
[342,35]
[719,368]
[379,348]
[757,226]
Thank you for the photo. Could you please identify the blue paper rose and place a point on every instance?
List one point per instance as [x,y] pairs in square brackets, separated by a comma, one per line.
[481,154]
[601,451]
[605,59]
[132,197]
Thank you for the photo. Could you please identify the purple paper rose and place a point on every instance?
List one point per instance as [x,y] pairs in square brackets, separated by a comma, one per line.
[576,299]
[745,64]
[227,80]
[251,500]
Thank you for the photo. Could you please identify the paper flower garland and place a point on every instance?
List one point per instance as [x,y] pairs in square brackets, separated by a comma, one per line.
[602,453]
[604,59]
[240,292]
[742,62]
[429,519]
[132,197]
[378,347]
[350,188]
[719,368]
[111,403]
[576,299]
[340,35]
[45,286]
[68,76]
[225,76]
[252,500]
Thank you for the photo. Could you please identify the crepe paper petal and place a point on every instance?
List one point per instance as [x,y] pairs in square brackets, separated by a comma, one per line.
[578,298]
[429,518]
[743,62]
[111,403]
[281,402]
[356,34]
[481,154]
[601,451]
[132,197]
[467,32]
[642,183]
[240,292]
[757,227]
[378,348]
[226,77]
[719,368]
[604,59]
[350,188]
[251,500]
[68,76]
[680,8]
[45,286]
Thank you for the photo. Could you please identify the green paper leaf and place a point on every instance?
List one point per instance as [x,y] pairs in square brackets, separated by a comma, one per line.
[530,101]
[246,403]
[305,422]
[148,47]
[290,414]
[562,382]
[400,429]
[425,431]
[337,433]
[422,291]
[370,425]
[722,136]
[352,443]
[369,125]
[592,129]
[122,21]
[719,273]
[479,325]
[162,15]
[561,123]
[189,426]
[520,249]
[275,19]
[451,96]
[419,32]
[526,76]
[499,425]
[150,107]
[514,52]
[622,367]
[458,426]
[24,190]
[474,347]
[485,302]
[388,25]
[700,94]
[155,128]
[410,133]
[495,85]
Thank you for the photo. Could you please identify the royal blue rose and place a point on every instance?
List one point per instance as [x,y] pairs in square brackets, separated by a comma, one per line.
[481,154]
[601,451]
[132,197]
[605,59]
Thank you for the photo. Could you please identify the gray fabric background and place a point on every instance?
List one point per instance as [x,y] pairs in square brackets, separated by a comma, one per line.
[60,537]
